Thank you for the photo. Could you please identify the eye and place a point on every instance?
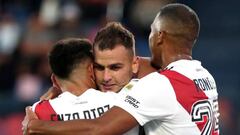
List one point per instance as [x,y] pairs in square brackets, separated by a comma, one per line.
[115,67]
[98,67]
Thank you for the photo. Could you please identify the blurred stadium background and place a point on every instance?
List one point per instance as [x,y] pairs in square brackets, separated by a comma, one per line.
[28,29]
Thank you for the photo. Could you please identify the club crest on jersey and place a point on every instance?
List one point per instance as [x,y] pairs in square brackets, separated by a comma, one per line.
[129,86]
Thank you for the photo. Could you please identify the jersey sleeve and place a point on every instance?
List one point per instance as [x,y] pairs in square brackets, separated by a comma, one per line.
[44,110]
[152,97]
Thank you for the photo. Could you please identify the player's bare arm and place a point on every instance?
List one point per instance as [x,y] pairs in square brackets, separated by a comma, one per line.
[145,67]
[114,122]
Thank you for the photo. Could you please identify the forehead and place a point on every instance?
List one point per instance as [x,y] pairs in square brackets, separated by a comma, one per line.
[118,55]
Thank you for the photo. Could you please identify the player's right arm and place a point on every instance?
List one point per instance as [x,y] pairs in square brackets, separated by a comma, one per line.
[113,122]
[145,67]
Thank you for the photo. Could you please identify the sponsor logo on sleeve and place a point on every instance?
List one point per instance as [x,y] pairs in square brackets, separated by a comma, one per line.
[132,101]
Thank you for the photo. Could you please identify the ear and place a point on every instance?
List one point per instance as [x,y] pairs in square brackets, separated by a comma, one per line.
[91,72]
[135,64]
[55,81]
[91,76]
[160,36]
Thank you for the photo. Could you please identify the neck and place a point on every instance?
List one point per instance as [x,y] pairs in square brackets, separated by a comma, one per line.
[175,50]
[76,88]
[170,59]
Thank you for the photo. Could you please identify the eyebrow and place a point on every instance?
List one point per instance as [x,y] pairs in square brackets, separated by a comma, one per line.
[114,64]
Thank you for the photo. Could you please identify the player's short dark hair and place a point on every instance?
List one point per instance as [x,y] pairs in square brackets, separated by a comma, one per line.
[68,53]
[183,19]
[112,35]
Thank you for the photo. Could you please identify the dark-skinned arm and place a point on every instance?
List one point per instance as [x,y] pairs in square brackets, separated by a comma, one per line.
[145,67]
[116,121]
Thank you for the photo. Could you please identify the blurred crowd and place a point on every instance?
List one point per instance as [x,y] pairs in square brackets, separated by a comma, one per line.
[29,28]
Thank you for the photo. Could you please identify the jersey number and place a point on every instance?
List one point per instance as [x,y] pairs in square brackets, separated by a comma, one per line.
[204,111]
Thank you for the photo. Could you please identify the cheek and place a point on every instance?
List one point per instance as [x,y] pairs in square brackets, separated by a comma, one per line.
[151,44]
[98,75]
[124,76]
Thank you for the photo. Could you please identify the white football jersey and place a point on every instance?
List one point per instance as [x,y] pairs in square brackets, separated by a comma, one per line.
[89,105]
[180,100]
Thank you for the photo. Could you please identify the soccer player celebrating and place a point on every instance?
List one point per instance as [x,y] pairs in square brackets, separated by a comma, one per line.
[180,99]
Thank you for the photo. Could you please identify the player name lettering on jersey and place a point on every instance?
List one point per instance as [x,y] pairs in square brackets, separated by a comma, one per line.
[132,101]
[86,114]
[204,84]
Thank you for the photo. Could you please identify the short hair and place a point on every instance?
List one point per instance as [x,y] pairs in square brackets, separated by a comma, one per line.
[112,35]
[179,19]
[67,54]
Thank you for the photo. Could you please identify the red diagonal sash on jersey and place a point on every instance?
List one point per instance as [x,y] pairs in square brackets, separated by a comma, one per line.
[187,94]
[45,111]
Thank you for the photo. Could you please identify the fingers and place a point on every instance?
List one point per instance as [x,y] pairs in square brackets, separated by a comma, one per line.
[25,121]
[30,115]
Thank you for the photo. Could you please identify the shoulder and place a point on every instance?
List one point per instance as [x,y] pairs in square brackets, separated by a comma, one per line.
[152,78]
[153,81]
[97,95]
[43,110]
[41,105]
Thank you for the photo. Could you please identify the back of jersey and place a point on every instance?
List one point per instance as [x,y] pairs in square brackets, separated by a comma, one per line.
[90,105]
[180,100]
[196,91]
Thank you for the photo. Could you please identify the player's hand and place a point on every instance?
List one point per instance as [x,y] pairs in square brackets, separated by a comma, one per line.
[145,67]
[30,115]
[51,93]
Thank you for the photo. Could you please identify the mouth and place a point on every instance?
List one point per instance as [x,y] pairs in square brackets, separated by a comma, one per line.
[107,87]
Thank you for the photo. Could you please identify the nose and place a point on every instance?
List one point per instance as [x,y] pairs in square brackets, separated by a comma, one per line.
[107,75]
